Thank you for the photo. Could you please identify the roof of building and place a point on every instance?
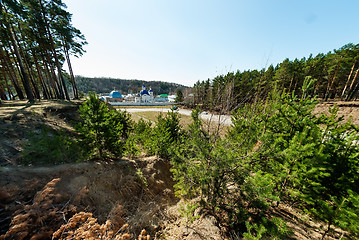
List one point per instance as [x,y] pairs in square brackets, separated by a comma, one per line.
[164,95]
[115,94]
[143,92]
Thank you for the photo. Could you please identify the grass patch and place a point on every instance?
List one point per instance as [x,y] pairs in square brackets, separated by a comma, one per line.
[50,147]
[148,116]
[185,120]
[152,116]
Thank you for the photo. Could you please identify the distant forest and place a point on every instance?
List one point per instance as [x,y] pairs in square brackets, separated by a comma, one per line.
[106,85]
[330,76]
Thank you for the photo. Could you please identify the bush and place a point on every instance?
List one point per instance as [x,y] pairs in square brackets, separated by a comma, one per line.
[103,131]
[166,134]
[143,136]
[277,151]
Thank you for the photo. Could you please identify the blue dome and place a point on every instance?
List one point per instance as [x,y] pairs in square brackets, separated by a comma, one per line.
[143,92]
[115,94]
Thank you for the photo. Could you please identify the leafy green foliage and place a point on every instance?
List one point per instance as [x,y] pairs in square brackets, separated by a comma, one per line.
[103,130]
[187,210]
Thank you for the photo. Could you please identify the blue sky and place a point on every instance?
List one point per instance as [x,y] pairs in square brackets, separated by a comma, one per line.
[183,41]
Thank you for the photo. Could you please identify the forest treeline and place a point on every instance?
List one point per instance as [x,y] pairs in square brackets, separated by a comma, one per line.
[106,85]
[335,75]
[36,38]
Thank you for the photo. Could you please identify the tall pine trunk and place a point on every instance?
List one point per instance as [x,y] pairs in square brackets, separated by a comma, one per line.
[348,80]
[331,83]
[25,77]
[291,83]
[352,91]
[45,90]
[74,87]
[11,95]
[8,66]
[26,56]
[53,78]
[5,81]
[62,81]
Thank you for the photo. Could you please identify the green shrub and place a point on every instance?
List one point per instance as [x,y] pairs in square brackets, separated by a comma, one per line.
[276,151]
[166,134]
[103,131]
[131,149]
[143,136]
[187,210]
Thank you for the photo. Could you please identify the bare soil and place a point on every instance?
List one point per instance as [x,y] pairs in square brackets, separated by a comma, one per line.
[348,110]
[143,186]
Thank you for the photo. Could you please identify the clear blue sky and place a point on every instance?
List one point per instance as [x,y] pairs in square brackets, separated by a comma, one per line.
[183,41]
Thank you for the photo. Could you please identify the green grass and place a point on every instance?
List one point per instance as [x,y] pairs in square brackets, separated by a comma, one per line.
[50,147]
[152,116]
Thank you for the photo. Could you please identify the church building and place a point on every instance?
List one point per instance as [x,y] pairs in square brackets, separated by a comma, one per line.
[145,96]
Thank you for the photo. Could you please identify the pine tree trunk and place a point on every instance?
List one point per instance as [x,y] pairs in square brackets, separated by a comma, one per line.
[34,84]
[2,88]
[35,88]
[351,90]
[351,85]
[25,77]
[295,85]
[11,96]
[7,63]
[53,78]
[62,81]
[2,92]
[74,87]
[348,80]
[330,87]
[290,85]
[39,73]
[52,89]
